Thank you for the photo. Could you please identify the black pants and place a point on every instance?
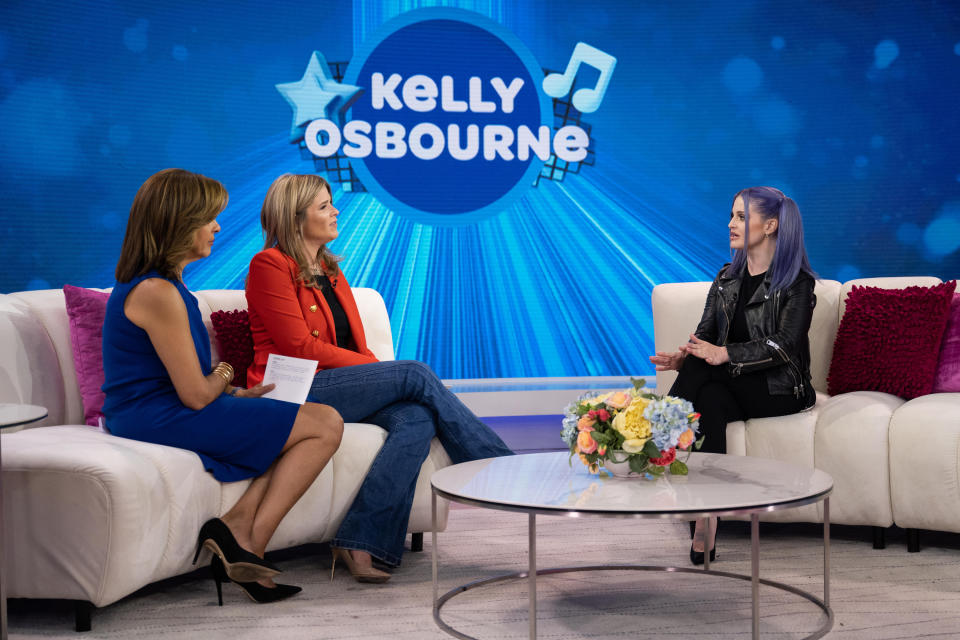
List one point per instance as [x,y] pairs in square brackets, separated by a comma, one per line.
[721,398]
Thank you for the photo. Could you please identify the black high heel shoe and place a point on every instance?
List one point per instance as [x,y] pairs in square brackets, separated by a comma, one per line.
[254,590]
[239,564]
[696,557]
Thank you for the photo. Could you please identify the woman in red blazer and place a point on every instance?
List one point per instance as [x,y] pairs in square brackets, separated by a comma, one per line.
[297,319]
[300,305]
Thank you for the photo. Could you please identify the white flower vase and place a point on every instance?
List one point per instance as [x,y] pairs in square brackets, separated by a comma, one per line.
[618,465]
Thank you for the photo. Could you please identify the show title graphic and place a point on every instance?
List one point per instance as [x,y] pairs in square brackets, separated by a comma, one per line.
[444,115]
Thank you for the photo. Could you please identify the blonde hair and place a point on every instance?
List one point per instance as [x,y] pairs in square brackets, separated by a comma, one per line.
[282,215]
[166,213]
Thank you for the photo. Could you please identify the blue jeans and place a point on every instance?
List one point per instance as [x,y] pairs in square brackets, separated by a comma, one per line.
[406,399]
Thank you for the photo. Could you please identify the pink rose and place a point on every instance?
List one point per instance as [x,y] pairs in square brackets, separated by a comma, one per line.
[602,415]
[586,423]
[585,443]
[685,439]
[619,400]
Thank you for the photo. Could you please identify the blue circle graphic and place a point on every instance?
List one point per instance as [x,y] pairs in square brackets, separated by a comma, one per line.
[466,57]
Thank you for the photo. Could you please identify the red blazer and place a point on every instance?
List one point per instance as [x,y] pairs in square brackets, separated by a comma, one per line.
[291,319]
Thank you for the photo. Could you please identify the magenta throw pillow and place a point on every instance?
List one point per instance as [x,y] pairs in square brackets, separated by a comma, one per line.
[234,341]
[889,340]
[85,310]
[948,368]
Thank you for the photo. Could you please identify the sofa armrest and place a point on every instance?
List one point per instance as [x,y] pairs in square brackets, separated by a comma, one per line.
[90,516]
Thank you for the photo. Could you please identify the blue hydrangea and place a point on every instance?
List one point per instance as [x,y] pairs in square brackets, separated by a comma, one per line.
[668,420]
[569,432]
[570,419]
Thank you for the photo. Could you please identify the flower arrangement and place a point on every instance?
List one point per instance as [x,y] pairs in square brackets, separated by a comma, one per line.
[647,429]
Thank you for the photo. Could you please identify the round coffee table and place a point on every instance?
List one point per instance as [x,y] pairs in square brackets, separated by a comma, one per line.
[12,415]
[717,485]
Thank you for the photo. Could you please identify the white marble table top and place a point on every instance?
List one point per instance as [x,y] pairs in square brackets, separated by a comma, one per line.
[545,483]
[12,415]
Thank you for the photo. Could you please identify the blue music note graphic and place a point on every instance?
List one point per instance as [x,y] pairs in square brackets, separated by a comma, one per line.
[557,85]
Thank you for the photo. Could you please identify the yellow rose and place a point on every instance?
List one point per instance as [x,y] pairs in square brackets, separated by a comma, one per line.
[634,445]
[631,423]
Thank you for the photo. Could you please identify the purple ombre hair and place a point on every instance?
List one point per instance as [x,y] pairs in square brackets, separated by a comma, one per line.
[790,255]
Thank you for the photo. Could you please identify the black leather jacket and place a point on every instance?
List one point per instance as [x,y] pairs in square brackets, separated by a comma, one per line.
[778,324]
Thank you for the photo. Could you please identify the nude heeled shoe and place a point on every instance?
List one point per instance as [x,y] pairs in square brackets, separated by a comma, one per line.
[360,575]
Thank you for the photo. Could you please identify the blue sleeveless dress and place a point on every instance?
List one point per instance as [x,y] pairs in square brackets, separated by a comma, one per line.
[236,438]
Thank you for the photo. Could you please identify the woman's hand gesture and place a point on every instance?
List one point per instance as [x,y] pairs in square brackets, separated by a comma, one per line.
[705,351]
[255,392]
[667,361]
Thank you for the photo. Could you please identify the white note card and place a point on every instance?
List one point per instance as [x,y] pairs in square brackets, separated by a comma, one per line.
[293,377]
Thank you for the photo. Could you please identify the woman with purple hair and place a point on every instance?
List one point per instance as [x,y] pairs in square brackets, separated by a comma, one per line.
[751,356]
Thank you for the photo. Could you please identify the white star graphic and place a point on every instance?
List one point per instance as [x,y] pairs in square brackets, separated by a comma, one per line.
[315,95]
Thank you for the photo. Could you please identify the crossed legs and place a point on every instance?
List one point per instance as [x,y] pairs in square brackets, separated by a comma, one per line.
[313,440]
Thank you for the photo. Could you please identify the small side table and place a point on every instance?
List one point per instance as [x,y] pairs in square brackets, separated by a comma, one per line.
[12,415]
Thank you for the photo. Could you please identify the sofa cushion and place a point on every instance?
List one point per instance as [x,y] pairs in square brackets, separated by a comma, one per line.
[948,366]
[30,366]
[234,341]
[851,445]
[789,438]
[85,310]
[889,340]
[924,469]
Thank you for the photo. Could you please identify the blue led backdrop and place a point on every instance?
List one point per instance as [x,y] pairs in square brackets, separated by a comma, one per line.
[499,265]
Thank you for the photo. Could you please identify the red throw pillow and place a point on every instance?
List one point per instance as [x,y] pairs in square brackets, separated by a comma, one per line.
[235,341]
[889,340]
[948,369]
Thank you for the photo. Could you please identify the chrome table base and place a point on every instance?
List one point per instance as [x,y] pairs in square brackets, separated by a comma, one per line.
[532,573]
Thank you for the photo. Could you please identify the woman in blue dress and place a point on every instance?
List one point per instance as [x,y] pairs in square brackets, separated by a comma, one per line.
[160,386]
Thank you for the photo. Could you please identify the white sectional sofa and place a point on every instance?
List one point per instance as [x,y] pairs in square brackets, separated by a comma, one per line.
[892,461]
[91,517]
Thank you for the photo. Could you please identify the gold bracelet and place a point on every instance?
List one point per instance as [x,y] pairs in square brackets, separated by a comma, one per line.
[225,371]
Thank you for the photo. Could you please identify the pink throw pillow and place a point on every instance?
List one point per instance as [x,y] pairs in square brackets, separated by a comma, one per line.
[235,341]
[889,340]
[86,309]
[948,369]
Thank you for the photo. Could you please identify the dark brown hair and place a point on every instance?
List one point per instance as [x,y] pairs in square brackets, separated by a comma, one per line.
[166,212]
